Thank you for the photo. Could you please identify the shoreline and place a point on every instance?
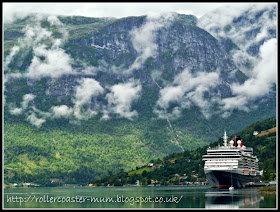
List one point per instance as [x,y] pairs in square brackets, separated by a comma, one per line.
[87,186]
[267,190]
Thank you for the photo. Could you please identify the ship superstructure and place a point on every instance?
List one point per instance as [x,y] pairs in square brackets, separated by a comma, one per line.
[232,164]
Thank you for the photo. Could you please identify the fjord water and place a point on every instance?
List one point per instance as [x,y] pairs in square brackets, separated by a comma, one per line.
[136,197]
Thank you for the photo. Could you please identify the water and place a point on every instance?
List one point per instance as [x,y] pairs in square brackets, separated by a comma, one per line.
[136,197]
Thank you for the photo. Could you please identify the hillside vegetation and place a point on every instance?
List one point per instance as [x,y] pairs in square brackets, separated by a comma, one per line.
[78,152]
[188,166]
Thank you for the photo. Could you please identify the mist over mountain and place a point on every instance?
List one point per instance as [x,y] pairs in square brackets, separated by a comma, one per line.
[177,80]
[253,28]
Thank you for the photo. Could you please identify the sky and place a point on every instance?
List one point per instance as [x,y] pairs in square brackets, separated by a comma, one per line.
[117,10]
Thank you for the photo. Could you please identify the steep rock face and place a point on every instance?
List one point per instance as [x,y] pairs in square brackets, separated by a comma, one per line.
[183,44]
[193,48]
[109,43]
[178,44]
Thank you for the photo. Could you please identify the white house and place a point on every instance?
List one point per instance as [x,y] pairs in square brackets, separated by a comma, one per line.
[255,133]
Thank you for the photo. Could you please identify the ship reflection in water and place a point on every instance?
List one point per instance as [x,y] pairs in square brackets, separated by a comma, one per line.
[223,199]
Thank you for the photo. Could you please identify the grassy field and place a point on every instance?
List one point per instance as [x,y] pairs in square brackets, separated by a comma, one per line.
[139,171]
[268,131]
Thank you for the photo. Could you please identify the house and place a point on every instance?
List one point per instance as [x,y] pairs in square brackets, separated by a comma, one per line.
[255,133]
[154,181]
[198,179]
[56,180]
[150,164]
[177,176]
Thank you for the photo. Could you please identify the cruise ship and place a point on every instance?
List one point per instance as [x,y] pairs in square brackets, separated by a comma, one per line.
[231,165]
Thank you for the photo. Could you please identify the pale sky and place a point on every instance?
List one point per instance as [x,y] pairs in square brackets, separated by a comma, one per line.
[118,10]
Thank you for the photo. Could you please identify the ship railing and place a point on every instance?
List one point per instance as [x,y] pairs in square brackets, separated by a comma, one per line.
[253,173]
[220,168]
[246,172]
[230,148]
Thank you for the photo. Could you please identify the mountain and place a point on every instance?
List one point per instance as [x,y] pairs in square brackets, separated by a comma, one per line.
[249,26]
[84,96]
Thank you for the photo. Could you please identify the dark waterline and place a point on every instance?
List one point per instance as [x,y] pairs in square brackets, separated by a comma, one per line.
[136,197]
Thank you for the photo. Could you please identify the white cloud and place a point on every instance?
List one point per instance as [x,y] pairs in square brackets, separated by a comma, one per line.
[26,99]
[16,111]
[87,89]
[8,59]
[121,98]
[244,61]
[236,102]
[34,35]
[170,94]
[46,62]
[54,21]
[55,63]
[223,16]
[33,119]
[264,73]
[185,90]
[143,39]
[90,70]
[29,111]
[260,69]
[24,104]
[61,111]
[262,79]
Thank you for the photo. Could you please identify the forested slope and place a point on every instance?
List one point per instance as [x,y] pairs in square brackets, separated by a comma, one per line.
[190,164]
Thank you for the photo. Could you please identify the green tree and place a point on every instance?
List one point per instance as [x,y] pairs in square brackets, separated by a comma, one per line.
[144,173]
